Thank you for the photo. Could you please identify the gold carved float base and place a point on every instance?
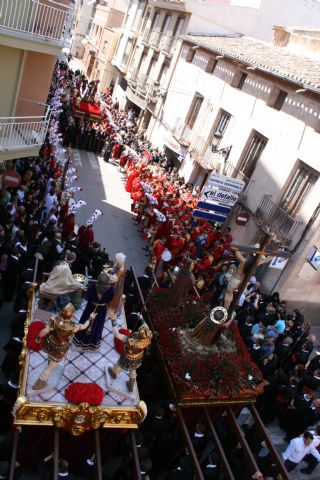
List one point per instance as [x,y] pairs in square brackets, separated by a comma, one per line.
[78,419]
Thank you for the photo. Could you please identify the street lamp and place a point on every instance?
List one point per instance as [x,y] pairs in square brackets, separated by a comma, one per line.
[216,140]
[217,136]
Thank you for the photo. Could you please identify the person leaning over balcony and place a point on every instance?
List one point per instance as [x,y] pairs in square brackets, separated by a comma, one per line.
[301,449]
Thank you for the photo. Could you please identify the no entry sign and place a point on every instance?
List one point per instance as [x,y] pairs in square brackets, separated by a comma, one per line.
[11,179]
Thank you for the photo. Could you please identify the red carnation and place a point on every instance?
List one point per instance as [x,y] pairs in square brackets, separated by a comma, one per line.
[33,331]
[84,392]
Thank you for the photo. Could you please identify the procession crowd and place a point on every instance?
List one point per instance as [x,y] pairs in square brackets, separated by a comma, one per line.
[38,221]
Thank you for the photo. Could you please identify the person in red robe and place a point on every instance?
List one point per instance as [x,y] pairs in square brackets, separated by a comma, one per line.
[68,225]
[116,151]
[86,237]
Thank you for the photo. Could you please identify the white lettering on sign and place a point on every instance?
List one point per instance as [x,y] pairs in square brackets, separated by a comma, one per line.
[212,194]
[226,183]
[278,262]
[12,179]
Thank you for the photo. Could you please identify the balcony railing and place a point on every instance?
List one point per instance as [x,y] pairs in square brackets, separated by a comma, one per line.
[276,221]
[142,82]
[155,40]
[146,36]
[133,75]
[23,133]
[37,20]
[168,44]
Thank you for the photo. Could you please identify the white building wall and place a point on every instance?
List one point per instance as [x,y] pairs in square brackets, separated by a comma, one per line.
[254,18]
[292,135]
[82,24]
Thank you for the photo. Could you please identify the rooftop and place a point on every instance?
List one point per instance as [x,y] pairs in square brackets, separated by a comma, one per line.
[303,71]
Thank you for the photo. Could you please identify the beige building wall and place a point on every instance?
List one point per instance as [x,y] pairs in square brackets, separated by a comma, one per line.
[10,61]
[36,66]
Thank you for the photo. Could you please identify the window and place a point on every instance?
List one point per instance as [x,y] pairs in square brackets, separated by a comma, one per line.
[252,153]
[104,48]
[151,67]
[298,189]
[281,98]
[178,27]
[154,20]
[165,23]
[190,55]
[194,110]
[163,72]
[145,20]
[127,52]
[223,120]
[211,65]
[239,79]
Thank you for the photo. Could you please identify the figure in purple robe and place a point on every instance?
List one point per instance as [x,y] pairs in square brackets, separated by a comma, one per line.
[99,296]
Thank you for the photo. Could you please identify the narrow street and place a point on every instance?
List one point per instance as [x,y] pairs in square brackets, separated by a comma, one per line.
[103,188]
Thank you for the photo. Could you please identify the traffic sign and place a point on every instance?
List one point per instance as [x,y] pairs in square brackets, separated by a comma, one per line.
[226,183]
[242,218]
[11,178]
[314,258]
[214,207]
[213,217]
[212,194]
[278,262]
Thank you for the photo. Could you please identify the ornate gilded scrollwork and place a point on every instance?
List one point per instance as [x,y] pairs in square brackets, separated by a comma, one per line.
[78,419]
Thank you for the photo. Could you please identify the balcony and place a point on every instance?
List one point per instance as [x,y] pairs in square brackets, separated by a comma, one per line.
[155,40]
[25,133]
[167,45]
[142,83]
[197,146]
[275,221]
[146,36]
[132,76]
[34,20]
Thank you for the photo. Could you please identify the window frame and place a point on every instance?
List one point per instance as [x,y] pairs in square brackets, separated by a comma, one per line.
[248,151]
[298,187]
[191,115]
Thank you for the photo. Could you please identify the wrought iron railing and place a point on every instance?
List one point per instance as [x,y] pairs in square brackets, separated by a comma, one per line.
[25,132]
[276,221]
[32,18]
[133,75]
[142,82]
[146,36]
[155,40]
[168,44]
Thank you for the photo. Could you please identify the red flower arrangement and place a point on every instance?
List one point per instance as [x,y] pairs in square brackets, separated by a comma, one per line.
[33,331]
[219,375]
[84,392]
[118,344]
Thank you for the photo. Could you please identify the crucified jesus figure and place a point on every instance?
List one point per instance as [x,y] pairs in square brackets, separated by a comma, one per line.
[235,275]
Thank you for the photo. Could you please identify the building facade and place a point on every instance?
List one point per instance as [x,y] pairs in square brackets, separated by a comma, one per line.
[32,34]
[101,41]
[251,110]
[82,24]
[150,43]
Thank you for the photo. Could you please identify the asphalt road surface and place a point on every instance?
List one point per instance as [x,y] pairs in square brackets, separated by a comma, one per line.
[103,188]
